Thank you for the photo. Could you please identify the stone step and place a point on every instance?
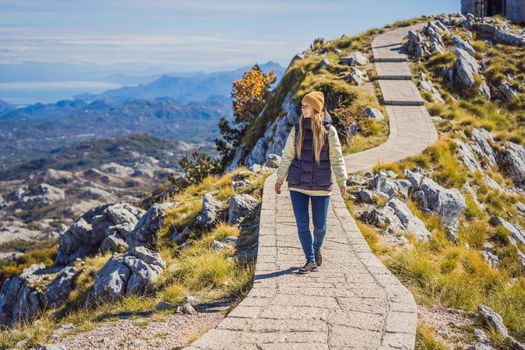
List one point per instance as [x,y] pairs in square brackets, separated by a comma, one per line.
[400,93]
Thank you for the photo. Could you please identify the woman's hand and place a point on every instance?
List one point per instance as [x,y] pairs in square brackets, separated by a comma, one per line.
[278,188]
[343,190]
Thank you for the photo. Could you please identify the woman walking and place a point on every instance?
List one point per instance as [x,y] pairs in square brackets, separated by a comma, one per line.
[312,149]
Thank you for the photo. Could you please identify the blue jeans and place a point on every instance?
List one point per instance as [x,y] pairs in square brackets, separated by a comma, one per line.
[300,203]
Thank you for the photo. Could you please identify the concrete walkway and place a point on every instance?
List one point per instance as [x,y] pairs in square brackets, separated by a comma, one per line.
[353,301]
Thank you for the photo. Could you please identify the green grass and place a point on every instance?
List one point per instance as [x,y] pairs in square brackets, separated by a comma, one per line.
[207,275]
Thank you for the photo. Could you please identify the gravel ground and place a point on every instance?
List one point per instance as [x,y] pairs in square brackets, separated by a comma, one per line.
[174,331]
[448,325]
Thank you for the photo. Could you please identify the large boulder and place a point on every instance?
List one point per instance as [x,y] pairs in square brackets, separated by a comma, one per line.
[210,214]
[389,186]
[240,206]
[447,203]
[355,57]
[466,71]
[467,156]
[459,42]
[36,289]
[131,274]
[517,234]
[145,231]
[396,217]
[373,113]
[512,163]
[482,147]
[85,236]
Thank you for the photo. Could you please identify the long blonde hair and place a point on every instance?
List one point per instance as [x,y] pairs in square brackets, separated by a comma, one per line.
[318,135]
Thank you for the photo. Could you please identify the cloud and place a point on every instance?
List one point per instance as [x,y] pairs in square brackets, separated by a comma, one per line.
[75,45]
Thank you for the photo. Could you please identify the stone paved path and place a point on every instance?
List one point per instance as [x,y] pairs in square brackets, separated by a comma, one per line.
[353,301]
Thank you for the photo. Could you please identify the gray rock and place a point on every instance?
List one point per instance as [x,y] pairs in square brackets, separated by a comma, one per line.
[520,207]
[185,246]
[240,180]
[36,289]
[145,231]
[457,41]
[449,204]
[508,37]
[179,237]
[355,57]
[365,196]
[484,150]
[517,234]
[426,85]
[373,113]
[85,236]
[357,76]
[273,160]
[324,63]
[216,245]
[187,309]
[492,319]
[240,206]
[381,183]
[465,70]
[489,255]
[113,244]
[513,163]
[507,92]
[210,212]
[467,156]
[397,217]
[132,273]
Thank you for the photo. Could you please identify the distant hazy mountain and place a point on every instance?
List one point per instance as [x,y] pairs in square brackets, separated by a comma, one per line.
[30,132]
[125,150]
[5,107]
[184,87]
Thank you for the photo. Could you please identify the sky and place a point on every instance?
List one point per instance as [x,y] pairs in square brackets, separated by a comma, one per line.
[182,36]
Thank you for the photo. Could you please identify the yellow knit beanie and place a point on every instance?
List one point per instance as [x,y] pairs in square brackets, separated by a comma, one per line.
[316,100]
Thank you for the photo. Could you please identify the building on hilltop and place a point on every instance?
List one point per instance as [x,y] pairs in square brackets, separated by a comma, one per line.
[514,10]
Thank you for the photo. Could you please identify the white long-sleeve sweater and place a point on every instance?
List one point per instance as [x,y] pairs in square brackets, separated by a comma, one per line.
[336,160]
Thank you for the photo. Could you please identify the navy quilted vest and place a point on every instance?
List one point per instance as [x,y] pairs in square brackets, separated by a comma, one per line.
[305,173]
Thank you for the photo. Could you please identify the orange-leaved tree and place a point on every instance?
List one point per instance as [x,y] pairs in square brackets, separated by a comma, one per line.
[249,96]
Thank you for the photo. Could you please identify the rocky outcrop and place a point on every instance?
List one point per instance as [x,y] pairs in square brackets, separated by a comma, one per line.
[427,42]
[145,231]
[389,186]
[36,289]
[355,57]
[396,217]
[133,273]
[482,148]
[447,203]
[210,214]
[86,236]
[240,206]
[274,138]
[512,163]
[517,234]
[498,34]
[357,76]
[373,113]
[426,85]
[466,73]
[493,320]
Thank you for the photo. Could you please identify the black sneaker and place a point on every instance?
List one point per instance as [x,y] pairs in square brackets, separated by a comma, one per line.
[318,257]
[308,267]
